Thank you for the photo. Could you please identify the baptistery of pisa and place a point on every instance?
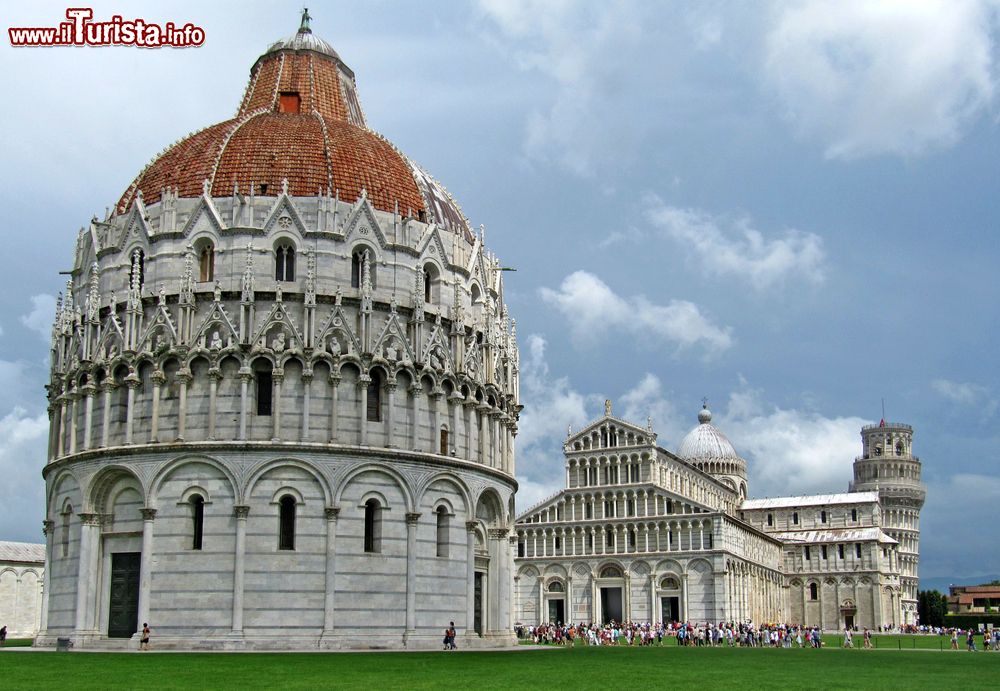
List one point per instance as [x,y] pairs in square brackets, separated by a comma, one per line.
[284,393]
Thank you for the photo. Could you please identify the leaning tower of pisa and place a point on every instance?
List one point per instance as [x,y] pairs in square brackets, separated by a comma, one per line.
[887,465]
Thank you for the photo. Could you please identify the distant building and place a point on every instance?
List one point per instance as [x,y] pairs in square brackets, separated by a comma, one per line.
[22,568]
[974,599]
[643,534]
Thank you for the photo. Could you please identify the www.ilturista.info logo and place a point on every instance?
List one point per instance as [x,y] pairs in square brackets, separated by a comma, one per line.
[81,31]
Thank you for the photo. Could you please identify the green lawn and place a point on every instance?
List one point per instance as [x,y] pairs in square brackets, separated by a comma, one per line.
[560,668]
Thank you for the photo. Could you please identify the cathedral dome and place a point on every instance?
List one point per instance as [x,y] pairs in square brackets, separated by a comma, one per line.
[300,123]
[706,442]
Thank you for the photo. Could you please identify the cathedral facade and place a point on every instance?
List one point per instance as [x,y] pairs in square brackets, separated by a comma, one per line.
[284,393]
[643,534]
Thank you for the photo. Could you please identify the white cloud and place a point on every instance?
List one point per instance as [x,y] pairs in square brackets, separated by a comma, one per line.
[595,311]
[789,451]
[41,316]
[649,399]
[891,77]
[22,455]
[580,47]
[741,250]
[959,392]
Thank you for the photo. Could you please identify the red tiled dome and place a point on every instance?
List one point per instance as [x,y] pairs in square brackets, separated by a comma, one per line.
[300,120]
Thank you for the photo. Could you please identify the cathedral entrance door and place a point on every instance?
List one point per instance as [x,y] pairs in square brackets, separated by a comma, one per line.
[556,612]
[123,609]
[670,609]
[848,621]
[611,605]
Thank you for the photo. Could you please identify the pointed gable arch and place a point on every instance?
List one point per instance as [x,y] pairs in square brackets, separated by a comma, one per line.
[337,325]
[278,319]
[204,217]
[393,332]
[431,247]
[216,320]
[284,217]
[361,222]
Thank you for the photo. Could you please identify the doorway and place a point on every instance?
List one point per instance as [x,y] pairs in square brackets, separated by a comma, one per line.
[477,603]
[670,609]
[848,621]
[557,612]
[611,605]
[123,609]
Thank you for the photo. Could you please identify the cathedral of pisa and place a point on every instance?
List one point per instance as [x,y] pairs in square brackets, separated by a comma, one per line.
[284,393]
[643,534]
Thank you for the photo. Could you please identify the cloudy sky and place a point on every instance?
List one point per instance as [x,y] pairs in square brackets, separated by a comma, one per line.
[788,208]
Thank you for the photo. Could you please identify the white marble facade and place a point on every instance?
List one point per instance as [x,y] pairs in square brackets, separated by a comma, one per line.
[643,534]
[22,584]
[281,421]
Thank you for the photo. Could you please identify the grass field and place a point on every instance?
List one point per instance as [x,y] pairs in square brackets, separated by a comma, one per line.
[579,668]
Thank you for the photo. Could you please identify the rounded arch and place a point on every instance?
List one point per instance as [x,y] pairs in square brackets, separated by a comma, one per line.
[169,468]
[489,508]
[56,486]
[401,482]
[306,466]
[451,479]
[287,491]
[98,492]
[610,568]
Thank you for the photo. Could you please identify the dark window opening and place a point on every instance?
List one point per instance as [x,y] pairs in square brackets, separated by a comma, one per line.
[857,550]
[373,526]
[264,392]
[808,554]
[374,403]
[520,549]
[770,519]
[284,263]
[427,285]
[65,530]
[286,520]
[823,551]
[795,518]
[813,591]
[854,515]
[198,520]
[289,102]
[444,442]
[822,516]
[356,270]
[840,551]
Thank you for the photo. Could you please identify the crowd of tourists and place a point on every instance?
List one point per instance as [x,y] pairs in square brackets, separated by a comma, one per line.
[731,634]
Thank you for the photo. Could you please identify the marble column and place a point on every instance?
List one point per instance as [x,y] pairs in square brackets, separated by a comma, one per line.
[363,381]
[390,412]
[246,376]
[88,414]
[107,388]
[48,529]
[277,379]
[239,565]
[335,388]
[412,519]
[214,375]
[331,570]
[307,378]
[87,562]
[415,392]
[146,564]
[158,380]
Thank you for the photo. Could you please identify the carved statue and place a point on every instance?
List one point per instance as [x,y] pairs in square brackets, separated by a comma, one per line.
[334,346]
[278,344]
[216,341]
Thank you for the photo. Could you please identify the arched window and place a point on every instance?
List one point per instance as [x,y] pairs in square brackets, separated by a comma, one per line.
[357,263]
[428,279]
[822,516]
[374,412]
[444,441]
[373,526]
[611,572]
[476,294]
[813,591]
[442,531]
[284,263]
[197,520]
[286,522]
[206,263]
[556,587]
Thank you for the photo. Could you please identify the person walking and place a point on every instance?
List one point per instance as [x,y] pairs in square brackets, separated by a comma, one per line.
[3,636]
[970,641]
[144,639]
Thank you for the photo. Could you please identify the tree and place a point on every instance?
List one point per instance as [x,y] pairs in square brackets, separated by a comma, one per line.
[932,607]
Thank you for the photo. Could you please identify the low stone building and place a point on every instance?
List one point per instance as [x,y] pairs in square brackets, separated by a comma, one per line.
[640,533]
[22,570]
